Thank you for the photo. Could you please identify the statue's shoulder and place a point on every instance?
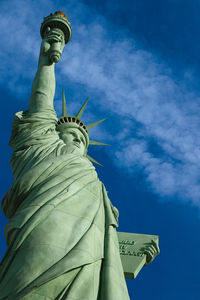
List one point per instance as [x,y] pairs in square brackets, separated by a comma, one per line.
[26,115]
[33,128]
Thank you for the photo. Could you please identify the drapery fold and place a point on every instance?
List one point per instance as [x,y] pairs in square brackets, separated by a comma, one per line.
[61,220]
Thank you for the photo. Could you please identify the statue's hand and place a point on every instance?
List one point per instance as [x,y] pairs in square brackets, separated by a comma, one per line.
[151,250]
[52,45]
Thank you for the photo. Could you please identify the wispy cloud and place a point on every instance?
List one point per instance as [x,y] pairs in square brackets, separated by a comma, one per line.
[140,88]
[131,83]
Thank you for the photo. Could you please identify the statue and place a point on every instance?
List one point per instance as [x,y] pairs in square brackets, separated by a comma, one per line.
[61,236]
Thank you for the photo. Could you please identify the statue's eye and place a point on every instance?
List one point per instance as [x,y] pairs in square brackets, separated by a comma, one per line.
[83,141]
[73,134]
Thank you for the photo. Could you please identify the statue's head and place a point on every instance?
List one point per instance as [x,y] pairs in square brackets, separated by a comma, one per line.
[73,135]
[74,132]
[75,140]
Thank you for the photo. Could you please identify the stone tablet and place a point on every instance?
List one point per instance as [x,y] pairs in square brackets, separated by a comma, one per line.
[131,251]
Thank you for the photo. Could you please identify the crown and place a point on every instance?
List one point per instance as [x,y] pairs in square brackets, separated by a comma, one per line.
[68,121]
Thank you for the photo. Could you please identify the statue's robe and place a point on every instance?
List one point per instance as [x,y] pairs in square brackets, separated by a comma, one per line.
[61,236]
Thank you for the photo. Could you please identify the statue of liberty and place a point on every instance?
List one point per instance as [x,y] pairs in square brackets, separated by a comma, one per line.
[61,234]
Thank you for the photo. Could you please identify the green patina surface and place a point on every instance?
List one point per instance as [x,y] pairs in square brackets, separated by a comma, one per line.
[61,236]
[62,241]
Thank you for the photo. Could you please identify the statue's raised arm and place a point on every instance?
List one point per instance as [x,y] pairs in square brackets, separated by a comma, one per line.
[61,234]
[55,32]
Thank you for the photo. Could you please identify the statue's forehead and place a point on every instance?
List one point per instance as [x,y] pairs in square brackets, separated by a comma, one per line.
[72,129]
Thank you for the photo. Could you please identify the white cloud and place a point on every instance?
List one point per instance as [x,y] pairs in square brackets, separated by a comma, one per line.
[138,87]
[127,81]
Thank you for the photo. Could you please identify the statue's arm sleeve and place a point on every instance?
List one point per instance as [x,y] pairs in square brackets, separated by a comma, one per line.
[31,129]
[43,88]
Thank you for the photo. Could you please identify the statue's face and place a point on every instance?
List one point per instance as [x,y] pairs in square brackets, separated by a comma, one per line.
[74,140]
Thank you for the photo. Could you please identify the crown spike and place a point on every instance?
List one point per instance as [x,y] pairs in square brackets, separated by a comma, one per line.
[64,105]
[94,124]
[79,114]
[94,143]
[93,160]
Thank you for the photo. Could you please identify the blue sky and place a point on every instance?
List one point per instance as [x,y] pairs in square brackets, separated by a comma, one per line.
[139,63]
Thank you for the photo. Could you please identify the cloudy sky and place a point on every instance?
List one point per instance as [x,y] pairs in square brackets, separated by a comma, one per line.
[139,62]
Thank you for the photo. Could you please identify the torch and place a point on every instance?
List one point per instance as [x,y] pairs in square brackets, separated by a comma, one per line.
[58,20]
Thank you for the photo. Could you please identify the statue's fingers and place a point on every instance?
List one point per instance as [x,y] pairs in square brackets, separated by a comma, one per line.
[55,33]
[155,244]
[149,257]
[149,251]
[53,38]
[153,248]
[152,244]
